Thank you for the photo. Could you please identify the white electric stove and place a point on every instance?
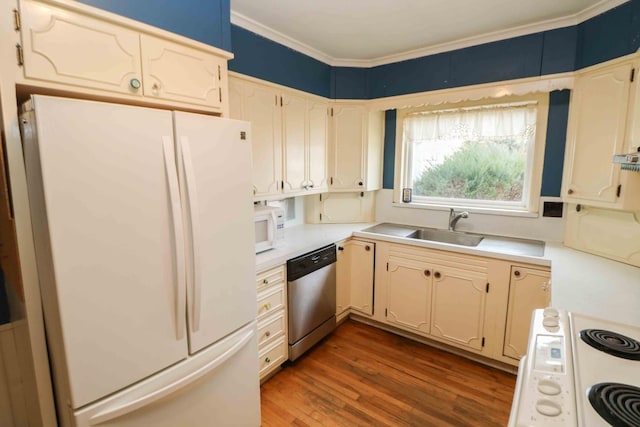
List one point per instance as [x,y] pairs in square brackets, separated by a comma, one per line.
[578,371]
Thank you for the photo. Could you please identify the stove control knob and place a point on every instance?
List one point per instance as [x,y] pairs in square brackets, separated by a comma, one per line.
[548,407]
[550,323]
[550,312]
[549,387]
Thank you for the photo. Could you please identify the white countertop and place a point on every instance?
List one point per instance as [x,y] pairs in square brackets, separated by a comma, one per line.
[580,282]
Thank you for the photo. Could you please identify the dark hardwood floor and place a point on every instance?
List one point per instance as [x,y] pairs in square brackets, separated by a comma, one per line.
[363,376]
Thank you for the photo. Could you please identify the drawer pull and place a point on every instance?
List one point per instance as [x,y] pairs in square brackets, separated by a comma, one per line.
[267,334]
[437,274]
[265,281]
[427,273]
[267,359]
[267,306]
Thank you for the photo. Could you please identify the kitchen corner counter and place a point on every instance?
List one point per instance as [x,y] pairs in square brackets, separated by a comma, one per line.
[304,238]
[592,285]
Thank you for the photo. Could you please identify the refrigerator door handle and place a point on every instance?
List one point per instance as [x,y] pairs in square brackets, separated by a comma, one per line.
[174,195]
[127,407]
[192,197]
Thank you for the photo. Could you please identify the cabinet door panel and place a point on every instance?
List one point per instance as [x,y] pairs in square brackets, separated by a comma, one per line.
[596,133]
[318,145]
[458,306]
[343,279]
[64,47]
[293,131]
[362,255]
[347,147]
[409,294]
[261,108]
[529,289]
[179,73]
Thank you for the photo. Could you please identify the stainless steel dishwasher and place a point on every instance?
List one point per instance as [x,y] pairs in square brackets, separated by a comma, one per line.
[311,297]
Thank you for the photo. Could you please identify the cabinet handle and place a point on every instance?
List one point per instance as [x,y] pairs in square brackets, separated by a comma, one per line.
[267,334]
[570,191]
[367,248]
[427,273]
[516,273]
[265,281]
[267,306]
[340,248]
[267,359]
[135,84]
[437,274]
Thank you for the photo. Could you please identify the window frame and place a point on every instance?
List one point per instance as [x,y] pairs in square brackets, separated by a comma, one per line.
[531,195]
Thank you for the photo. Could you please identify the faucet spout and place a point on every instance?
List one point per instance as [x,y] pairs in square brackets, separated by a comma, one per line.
[455,217]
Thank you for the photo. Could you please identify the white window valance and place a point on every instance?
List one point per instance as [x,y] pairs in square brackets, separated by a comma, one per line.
[496,122]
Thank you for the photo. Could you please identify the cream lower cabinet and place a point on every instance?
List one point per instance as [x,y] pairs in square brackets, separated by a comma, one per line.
[272,320]
[529,289]
[75,47]
[355,278]
[603,122]
[409,294]
[289,135]
[356,143]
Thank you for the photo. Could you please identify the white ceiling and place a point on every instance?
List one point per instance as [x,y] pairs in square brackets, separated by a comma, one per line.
[373,32]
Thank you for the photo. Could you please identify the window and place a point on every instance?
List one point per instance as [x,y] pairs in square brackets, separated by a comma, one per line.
[483,154]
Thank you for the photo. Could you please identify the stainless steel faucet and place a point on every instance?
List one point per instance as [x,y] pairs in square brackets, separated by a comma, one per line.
[455,217]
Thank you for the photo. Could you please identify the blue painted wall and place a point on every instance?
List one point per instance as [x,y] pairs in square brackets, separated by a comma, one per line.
[207,21]
[260,57]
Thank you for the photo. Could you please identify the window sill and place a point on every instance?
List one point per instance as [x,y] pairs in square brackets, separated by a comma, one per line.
[470,209]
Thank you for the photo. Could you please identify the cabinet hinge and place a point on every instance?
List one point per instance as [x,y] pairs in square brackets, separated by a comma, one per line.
[16,20]
[19,55]
[220,94]
[387,266]
[320,217]
[282,185]
[633,75]
[332,112]
[321,197]
[482,341]
[276,96]
[385,312]
[619,190]
[281,101]
[487,287]
[331,181]
[219,73]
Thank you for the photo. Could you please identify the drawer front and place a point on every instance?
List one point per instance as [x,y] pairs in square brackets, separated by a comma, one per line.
[269,301]
[271,328]
[272,357]
[269,278]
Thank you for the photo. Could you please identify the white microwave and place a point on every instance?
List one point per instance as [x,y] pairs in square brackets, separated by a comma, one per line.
[269,227]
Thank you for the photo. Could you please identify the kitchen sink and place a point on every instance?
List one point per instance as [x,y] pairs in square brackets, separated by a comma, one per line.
[444,236]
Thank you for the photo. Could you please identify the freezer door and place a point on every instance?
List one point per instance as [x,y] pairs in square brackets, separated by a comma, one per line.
[215,170]
[107,226]
[217,387]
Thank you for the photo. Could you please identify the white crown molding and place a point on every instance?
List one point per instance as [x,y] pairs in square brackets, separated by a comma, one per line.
[271,34]
[278,37]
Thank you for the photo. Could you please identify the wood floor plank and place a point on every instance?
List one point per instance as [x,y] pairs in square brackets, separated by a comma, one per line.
[363,376]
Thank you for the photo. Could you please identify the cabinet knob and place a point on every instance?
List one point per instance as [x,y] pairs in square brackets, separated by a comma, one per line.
[570,191]
[267,359]
[437,274]
[360,183]
[265,281]
[340,248]
[367,248]
[516,273]
[155,88]
[134,83]
[427,273]
[267,306]
[267,334]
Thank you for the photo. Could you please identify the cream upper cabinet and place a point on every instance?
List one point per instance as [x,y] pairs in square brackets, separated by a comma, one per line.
[409,294]
[75,47]
[458,306]
[260,105]
[180,73]
[289,137]
[356,141]
[529,289]
[602,123]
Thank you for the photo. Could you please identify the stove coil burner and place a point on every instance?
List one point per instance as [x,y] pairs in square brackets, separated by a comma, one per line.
[612,343]
[618,404]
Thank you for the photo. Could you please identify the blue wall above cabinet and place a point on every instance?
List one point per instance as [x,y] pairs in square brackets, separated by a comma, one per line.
[204,20]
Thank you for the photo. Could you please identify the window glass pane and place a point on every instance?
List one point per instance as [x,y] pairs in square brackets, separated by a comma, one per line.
[472,154]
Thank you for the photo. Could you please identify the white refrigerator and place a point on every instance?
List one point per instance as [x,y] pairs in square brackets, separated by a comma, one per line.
[142,224]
